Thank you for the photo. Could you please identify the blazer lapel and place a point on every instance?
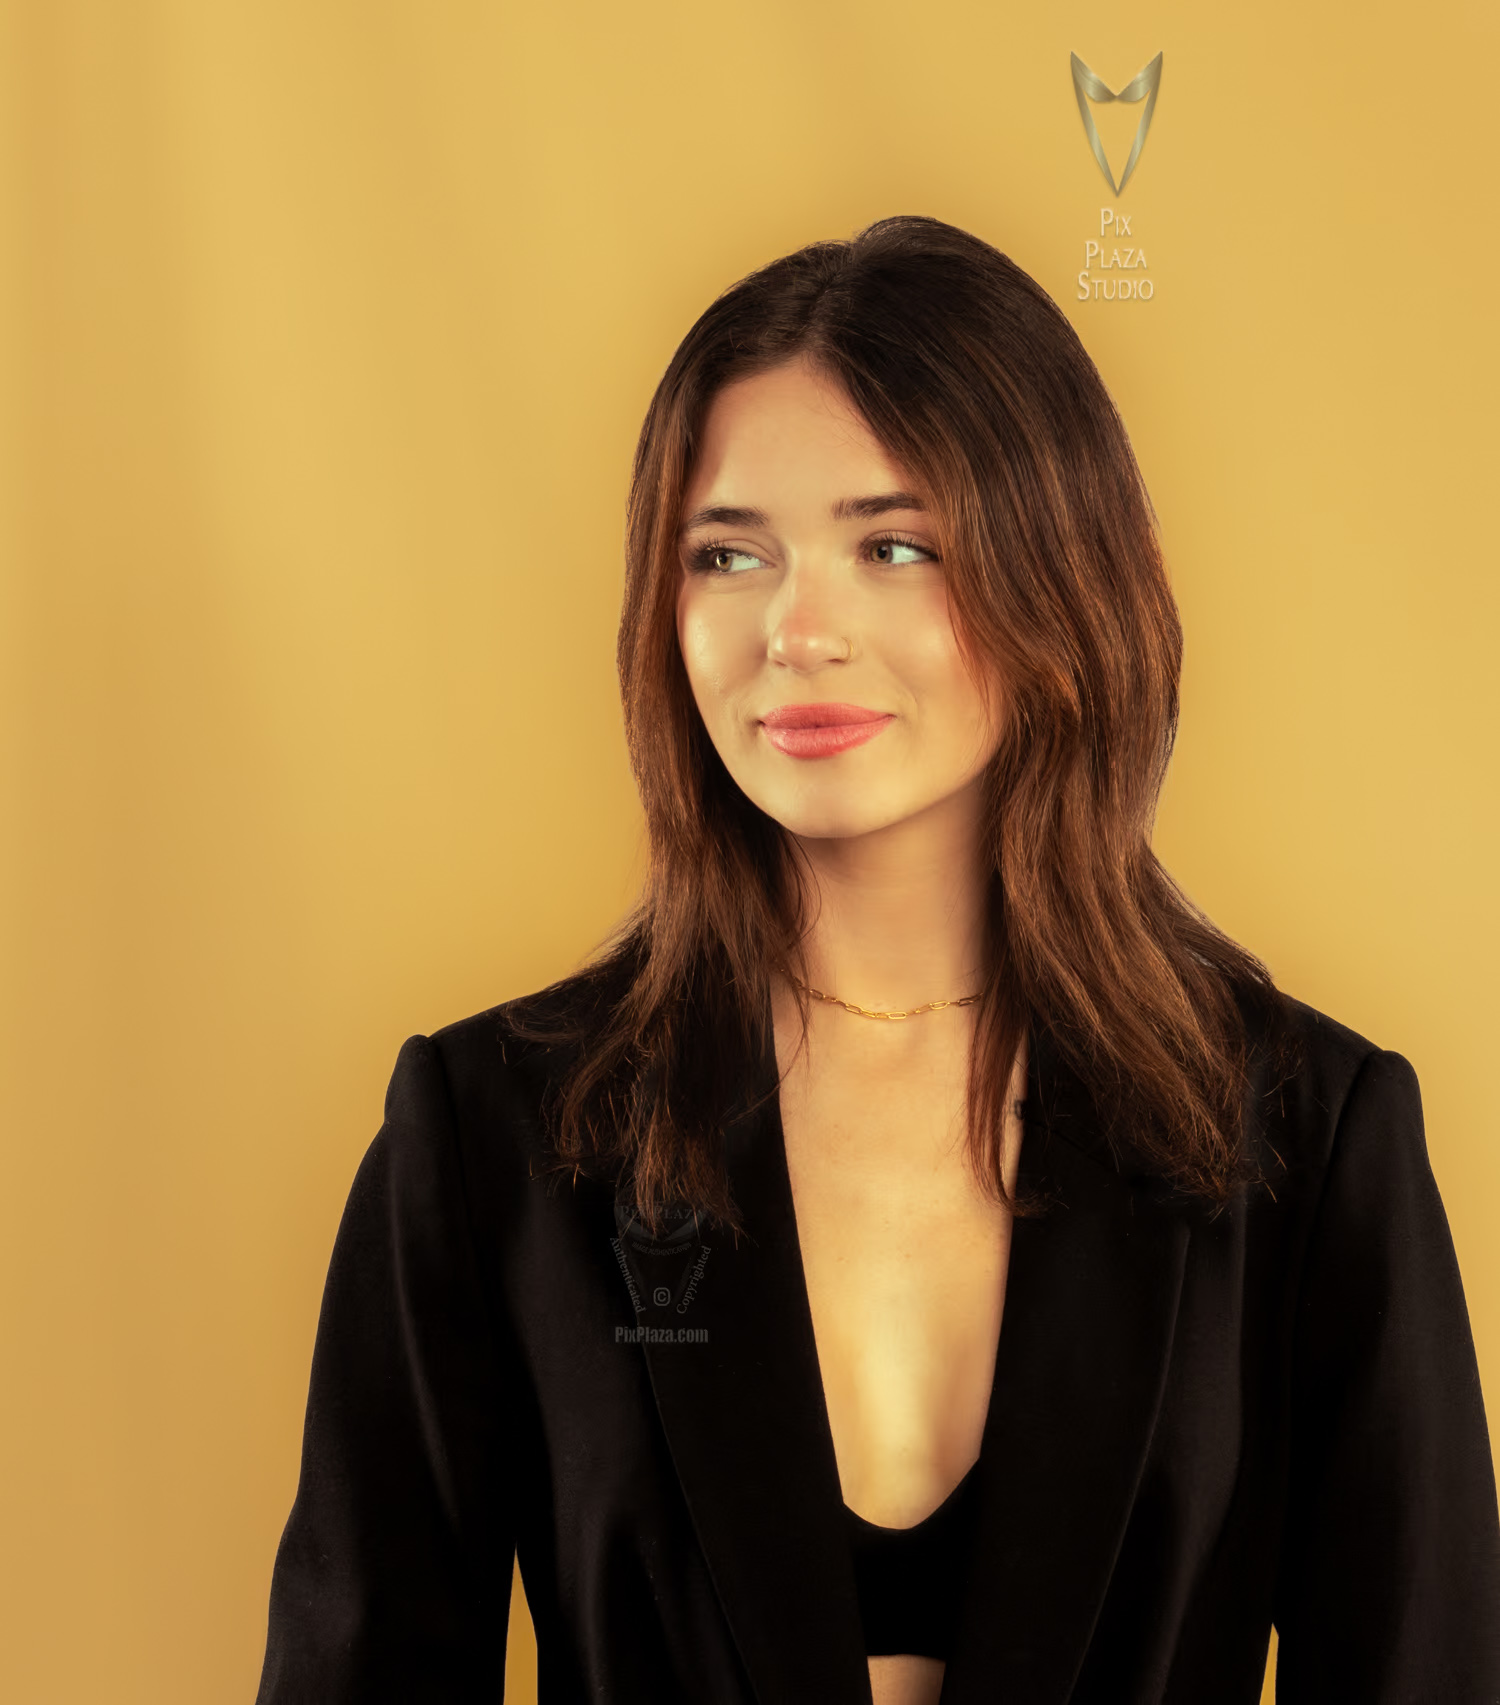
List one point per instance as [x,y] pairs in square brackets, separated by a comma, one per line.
[1090,1306]
[748,1429]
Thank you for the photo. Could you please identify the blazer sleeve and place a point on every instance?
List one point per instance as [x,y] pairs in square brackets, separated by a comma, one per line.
[1389,1583]
[392,1580]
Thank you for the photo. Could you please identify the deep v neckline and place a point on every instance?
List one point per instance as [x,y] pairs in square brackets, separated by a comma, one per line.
[1092,1292]
[776,1131]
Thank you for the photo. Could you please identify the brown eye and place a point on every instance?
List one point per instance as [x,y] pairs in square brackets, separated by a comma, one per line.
[899,551]
[722,559]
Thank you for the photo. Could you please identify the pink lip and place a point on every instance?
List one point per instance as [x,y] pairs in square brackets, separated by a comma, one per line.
[821,730]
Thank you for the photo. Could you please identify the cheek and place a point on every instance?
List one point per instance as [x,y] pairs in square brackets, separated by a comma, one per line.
[924,648]
[695,640]
[715,639]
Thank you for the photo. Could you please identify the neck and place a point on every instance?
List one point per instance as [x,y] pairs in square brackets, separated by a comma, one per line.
[900,913]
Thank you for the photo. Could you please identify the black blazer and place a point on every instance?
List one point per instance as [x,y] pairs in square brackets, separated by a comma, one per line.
[1199,1425]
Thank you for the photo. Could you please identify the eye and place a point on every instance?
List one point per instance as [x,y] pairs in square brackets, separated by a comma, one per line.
[895,551]
[716,558]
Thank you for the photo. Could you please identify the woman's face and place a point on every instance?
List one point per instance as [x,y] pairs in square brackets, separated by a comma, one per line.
[813,616]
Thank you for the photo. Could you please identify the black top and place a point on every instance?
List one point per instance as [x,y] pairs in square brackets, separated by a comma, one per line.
[1200,1423]
[910,1579]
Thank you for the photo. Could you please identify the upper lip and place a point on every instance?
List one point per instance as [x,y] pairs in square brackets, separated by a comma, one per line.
[820,715]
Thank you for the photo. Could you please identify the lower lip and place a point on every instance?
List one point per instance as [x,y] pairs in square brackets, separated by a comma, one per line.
[825,741]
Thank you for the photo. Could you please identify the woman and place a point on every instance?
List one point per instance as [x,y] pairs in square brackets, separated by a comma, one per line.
[685,1279]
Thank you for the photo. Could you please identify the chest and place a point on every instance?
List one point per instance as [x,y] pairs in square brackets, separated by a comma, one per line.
[904,1256]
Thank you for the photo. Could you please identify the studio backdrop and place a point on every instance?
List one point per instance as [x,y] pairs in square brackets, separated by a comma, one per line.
[325,333]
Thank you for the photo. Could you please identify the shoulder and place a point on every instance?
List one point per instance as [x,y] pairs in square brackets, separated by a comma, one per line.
[500,1068]
[1320,1057]
[538,1032]
[1320,1087]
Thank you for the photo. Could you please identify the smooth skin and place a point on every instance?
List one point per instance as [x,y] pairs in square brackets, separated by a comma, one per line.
[804,595]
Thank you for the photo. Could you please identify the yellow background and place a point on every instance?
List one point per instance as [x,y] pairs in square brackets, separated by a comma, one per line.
[325,332]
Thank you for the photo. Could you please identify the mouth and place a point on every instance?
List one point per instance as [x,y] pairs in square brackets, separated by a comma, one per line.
[822,730]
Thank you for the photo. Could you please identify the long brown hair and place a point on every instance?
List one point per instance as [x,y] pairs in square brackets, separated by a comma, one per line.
[976,384]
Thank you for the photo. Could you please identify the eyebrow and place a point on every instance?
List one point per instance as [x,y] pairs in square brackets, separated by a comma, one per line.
[846,509]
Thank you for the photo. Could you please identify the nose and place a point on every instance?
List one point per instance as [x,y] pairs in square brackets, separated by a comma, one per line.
[809,625]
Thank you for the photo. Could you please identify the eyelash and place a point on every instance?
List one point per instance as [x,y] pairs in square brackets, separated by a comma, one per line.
[701,558]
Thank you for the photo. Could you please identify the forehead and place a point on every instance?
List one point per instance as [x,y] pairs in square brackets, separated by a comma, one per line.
[792,431]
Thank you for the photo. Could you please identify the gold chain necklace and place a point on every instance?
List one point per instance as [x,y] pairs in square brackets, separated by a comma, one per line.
[889,1017]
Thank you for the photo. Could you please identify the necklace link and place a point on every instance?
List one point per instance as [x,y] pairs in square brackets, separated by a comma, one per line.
[886,1017]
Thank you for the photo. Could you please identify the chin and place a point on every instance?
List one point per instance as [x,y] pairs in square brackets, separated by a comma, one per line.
[837,816]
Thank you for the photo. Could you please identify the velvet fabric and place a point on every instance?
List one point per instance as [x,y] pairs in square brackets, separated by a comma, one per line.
[1200,1424]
